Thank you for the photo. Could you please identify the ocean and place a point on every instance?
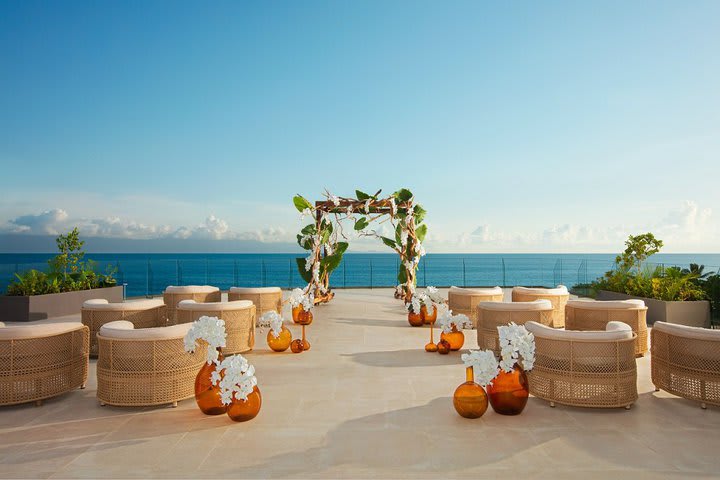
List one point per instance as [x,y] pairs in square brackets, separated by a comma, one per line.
[149,274]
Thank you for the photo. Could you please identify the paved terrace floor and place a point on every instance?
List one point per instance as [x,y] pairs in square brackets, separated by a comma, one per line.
[365,402]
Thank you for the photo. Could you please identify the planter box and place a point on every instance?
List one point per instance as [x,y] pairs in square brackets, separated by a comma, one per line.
[694,314]
[40,307]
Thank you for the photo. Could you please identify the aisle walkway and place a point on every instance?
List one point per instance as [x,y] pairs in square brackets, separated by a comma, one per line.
[365,401]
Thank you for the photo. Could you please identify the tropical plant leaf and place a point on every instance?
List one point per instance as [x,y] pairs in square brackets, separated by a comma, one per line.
[309,229]
[307,245]
[361,223]
[419,214]
[307,276]
[360,195]
[403,194]
[389,242]
[301,203]
[402,275]
[420,232]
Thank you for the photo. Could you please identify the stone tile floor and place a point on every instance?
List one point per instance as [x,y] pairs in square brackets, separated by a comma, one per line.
[365,402]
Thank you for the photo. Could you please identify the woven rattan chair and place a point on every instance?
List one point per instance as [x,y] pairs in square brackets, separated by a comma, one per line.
[685,361]
[466,300]
[495,314]
[584,369]
[142,314]
[265,299]
[592,315]
[42,361]
[200,293]
[558,297]
[147,366]
[239,317]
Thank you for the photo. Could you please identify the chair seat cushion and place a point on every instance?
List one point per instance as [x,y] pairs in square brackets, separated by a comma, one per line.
[559,290]
[124,330]
[517,306]
[249,291]
[191,289]
[607,304]
[613,331]
[476,291]
[214,306]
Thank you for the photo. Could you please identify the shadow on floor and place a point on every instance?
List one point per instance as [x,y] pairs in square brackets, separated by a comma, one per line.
[405,358]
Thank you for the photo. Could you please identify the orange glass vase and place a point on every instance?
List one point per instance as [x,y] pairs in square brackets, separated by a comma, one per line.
[470,399]
[415,319]
[304,319]
[281,342]
[428,318]
[244,410]
[509,392]
[296,312]
[207,393]
[456,339]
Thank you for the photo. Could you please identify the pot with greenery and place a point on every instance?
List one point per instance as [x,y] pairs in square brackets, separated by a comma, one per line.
[671,294]
[68,282]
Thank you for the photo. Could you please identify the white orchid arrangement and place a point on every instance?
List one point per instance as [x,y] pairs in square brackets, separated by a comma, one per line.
[272,320]
[235,377]
[484,365]
[446,320]
[209,329]
[515,343]
[298,297]
[414,305]
[434,295]
[322,237]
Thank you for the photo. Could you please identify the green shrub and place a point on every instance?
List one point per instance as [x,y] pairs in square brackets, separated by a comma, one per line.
[632,278]
[67,272]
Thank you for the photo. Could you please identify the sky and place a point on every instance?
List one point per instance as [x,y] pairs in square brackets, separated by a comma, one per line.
[520,126]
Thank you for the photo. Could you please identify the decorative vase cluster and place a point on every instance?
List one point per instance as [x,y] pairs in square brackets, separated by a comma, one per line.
[223,385]
[503,383]
[302,303]
[279,336]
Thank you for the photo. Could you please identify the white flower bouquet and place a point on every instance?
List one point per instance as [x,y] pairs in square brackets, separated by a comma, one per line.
[484,365]
[447,321]
[516,343]
[209,329]
[434,295]
[272,320]
[235,377]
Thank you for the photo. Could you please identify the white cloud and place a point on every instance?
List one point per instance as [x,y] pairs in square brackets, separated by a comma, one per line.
[45,223]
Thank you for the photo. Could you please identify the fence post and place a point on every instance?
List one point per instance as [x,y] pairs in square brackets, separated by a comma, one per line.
[147,279]
[262,272]
[464,283]
[503,273]
[561,273]
[371,275]
[177,271]
[344,279]
[207,272]
[290,275]
[235,273]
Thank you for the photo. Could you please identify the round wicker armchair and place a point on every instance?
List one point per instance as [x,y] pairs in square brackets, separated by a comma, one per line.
[142,314]
[495,314]
[584,369]
[42,361]
[685,361]
[558,297]
[265,299]
[147,366]
[200,293]
[466,300]
[239,317]
[595,315]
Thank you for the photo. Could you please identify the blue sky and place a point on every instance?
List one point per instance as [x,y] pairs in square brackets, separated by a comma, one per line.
[521,126]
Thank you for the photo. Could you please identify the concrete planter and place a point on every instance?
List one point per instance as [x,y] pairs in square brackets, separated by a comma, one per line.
[40,307]
[694,314]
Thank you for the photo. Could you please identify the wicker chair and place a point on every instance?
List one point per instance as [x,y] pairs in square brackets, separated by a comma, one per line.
[145,367]
[595,315]
[200,293]
[558,297]
[466,300]
[142,314]
[495,314]
[685,361]
[239,317]
[42,361]
[265,299]
[584,369]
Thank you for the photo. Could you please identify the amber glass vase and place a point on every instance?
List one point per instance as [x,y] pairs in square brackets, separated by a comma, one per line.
[470,399]
[296,312]
[415,319]
[207,393]
[428,318]
[456,339]
[509,391]
[244,410]
[281,342]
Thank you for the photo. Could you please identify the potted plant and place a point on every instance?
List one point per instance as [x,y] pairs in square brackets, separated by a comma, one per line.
[70,281]
[671,294]
[509,390]
[278,337]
